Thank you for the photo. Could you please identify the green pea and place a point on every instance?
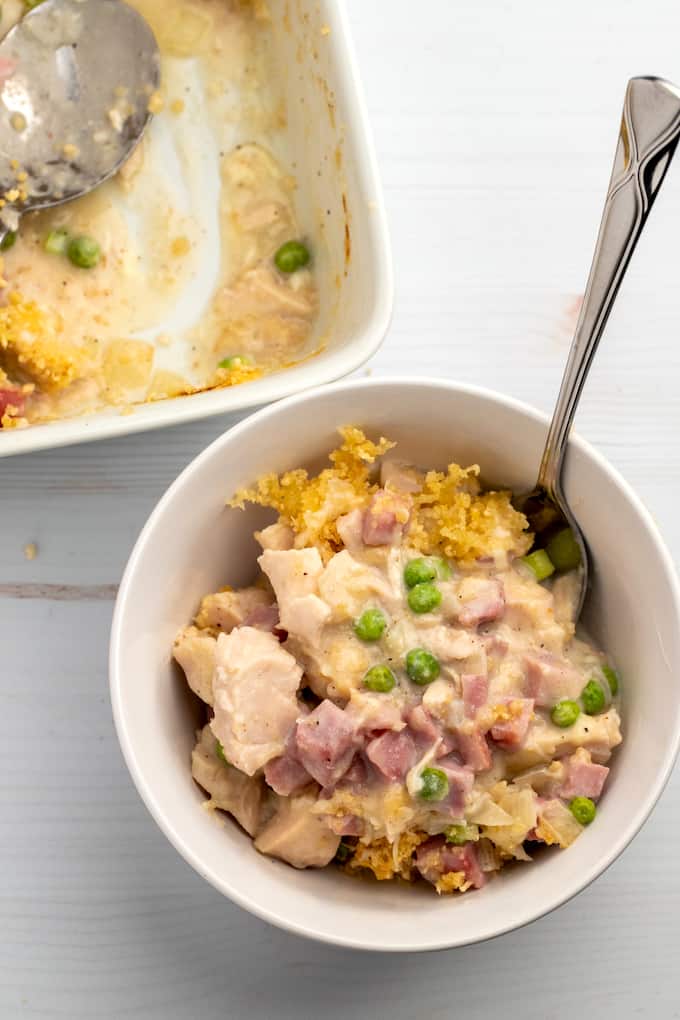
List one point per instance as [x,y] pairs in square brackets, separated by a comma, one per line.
[565,713]
[540,563]
[56,242]
[219,751]
[291,256]
[343,853]
[235,361]
[380,679]
[583,809]
[612,678]
[9,240]
[592,698]
[422,667]
[434,784]
[423,598]
[460,834]
[371,625]
[564,550]
[426,568]
[84,252]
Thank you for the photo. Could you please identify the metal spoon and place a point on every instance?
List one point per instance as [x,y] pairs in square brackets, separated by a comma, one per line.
[78,78]
[650,129]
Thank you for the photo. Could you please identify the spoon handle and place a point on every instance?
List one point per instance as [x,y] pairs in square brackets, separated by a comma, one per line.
[650,130]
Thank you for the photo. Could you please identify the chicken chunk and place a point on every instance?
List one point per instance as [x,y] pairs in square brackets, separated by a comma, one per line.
[277,536]
[228,609]
[195,651]
[297,836]
[599,734]
[347,586]
[256,707]
[294,574]
[229,789]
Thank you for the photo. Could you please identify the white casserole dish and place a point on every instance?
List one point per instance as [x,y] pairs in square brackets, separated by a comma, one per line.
[193,544]
[339,206]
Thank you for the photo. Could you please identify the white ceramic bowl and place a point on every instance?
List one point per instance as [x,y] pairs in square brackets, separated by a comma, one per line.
[192,545]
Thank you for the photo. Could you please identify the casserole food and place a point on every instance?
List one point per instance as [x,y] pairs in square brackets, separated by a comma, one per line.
[434,423]
[398,691]
[191,307]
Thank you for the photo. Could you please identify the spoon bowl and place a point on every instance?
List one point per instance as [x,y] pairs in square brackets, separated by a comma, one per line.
[78,80]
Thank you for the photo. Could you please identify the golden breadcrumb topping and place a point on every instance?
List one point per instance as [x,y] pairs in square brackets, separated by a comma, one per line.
[386,860]
[312,505]
[451,516]
[30,345]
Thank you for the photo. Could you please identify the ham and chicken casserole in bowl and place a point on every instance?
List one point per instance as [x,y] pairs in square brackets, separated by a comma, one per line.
[401,691]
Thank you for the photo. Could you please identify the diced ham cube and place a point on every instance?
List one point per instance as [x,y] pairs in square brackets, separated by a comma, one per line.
[429,858]
[424,727]
[356,775]
[461,780]
[393,754]
[475,692]
[464,858]
[325,743]
[550,679]
[285,775]
[385,518]
[435,857]
[482,600]
[344,825]
[583,779]
[511,733]
[475,750]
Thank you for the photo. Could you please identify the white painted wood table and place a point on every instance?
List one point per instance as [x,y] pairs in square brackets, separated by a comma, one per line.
[495,125]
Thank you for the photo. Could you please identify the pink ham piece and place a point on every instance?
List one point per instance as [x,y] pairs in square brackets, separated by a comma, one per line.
[512,733]
[461,780]
[285,775]
[423,725]
[11,398]
[356,776]
[474,749]
[549,679]
[584,779]
[325,743]
[482,601]
[393,754]
[344,825]
[475,692]
[464,858]
[435,857]
[385,518]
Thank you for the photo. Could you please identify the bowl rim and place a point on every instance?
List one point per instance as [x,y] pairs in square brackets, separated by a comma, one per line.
[233,434]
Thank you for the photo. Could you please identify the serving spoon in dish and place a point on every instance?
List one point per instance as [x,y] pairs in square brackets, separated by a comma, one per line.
[650,130]
[78,85]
